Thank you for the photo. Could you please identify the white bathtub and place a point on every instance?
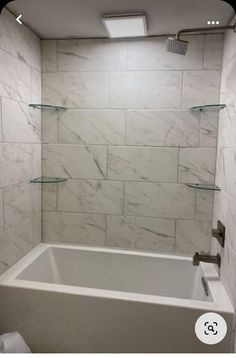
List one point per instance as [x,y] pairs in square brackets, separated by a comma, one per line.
[80,299]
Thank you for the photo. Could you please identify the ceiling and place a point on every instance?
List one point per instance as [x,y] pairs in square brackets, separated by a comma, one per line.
[82,18]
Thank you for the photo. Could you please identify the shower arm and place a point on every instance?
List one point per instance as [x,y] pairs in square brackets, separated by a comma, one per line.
[201,29]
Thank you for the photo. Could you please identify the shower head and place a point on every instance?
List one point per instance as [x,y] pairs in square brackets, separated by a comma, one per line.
[175,45]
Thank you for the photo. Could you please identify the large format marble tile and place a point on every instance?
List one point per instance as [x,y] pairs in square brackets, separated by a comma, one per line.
[74,228]
[75,89]
[209,128]
[49,55]
[49,196]
[36,229]
[174,201]
[92,126]
[20,123]
[15,243]
[229,157]
[92,55]
[213,51]
[21,202]
[36,162]
[1,211]
[201,87]
[49,127]
[163,128]
[15,78]
[0,120]
[19,41]
[140,233]
[145,89]
[74,161]
[142,163]
[197,165]
[204,205]
[151,54]
[91,196]
[36,90]
[227,129]
[15,163]
[192,236]
[228,88]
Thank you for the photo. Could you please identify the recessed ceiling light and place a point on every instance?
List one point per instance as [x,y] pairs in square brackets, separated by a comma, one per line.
[126,25]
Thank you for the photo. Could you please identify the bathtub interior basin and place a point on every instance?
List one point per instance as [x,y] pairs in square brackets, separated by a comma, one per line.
[75,299]
[150,274]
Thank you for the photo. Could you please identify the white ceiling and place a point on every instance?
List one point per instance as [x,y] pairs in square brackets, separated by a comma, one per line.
[82,18]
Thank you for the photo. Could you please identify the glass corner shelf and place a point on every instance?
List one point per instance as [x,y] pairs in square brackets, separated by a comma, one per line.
[47,107]
[47,180]
[208,107]
[211,187]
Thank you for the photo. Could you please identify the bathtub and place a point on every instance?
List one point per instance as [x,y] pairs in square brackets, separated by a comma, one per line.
[65,298]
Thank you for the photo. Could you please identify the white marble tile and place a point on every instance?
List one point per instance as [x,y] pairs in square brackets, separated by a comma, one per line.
[92,55]
[209,128]
[74,161]
[49,196]
[230,171]
[213,52]
[36,92]
[36,162]
[100,126]
[145,89]
[227,129]
[228,89]
[15,243]
[74,228]
[15,78]
[228,272]
[163,128]
[192,236]
[19,40]
[220,169]
[20,203]
[75,89]
[201,87]
[229,220]
[36,229]
[197,165]
[15,163]
[140,233]
[151,54]
[49,55]
[204,205]
[20,123]
[1,211]
[174,201]
[49,127]
[91,196]
[0,120]
[143,164]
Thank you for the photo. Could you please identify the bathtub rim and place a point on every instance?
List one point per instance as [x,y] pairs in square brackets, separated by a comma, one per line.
[220,303]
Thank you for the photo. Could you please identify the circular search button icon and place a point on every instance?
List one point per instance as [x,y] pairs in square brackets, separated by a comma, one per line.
[210,328]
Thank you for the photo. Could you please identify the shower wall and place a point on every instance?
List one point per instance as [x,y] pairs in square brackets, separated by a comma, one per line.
[128,142]
[225,201]
[20,142]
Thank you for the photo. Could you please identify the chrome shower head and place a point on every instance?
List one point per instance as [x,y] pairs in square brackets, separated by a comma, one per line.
[175,45]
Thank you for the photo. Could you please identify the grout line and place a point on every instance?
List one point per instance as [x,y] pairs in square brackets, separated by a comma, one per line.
[121,215]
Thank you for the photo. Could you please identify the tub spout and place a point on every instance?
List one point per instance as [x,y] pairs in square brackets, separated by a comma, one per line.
[197,258]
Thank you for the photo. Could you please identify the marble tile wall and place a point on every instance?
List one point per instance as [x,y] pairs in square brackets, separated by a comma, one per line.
[20,140]
[225,201]
[128,142]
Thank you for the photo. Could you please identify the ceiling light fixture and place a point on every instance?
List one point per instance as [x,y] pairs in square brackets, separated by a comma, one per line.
[126,25]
